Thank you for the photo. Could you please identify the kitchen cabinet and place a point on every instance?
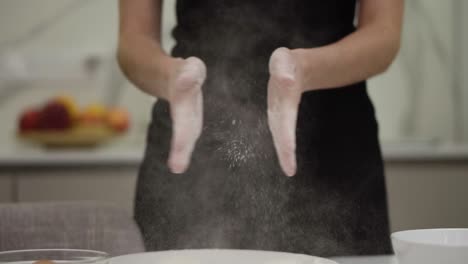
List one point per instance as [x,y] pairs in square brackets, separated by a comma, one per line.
[6,187]
[113,184]
[428,194]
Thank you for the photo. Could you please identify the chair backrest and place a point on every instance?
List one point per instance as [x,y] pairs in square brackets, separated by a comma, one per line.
[102,227]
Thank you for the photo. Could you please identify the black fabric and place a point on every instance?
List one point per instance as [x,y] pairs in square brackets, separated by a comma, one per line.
[234,194]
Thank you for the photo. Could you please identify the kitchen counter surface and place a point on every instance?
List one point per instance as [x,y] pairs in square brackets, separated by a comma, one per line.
[95,157]
[367,260]
[132,156]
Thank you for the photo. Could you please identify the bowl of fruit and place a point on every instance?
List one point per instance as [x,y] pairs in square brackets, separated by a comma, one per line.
[61,123]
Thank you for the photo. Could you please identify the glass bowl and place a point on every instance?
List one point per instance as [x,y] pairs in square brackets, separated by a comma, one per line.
[53,256]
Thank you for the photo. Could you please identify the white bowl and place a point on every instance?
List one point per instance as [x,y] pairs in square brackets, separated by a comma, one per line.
[431,246]
[214,256]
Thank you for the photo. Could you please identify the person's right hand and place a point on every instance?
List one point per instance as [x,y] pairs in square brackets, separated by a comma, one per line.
[184,94]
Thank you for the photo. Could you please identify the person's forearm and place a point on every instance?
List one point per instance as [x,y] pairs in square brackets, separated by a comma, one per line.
[145,63]
[361,55]
[140,54]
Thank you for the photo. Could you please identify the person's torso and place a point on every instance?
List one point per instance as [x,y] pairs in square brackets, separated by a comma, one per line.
[234,194]
[235,38]
[256,27]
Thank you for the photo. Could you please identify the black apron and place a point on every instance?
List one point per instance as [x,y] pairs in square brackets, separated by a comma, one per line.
[234,194]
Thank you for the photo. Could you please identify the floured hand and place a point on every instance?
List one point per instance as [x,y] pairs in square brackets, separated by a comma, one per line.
[284,95]
[186,102]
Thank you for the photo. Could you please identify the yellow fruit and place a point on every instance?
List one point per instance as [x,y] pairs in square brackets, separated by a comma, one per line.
[94,113]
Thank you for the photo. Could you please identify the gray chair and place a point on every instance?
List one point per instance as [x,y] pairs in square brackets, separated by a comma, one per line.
[102,227]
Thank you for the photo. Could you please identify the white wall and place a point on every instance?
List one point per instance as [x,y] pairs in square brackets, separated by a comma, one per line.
[413,100]
[464,70]
[92,27]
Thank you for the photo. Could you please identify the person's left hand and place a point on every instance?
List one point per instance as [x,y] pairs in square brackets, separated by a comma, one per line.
[285,88]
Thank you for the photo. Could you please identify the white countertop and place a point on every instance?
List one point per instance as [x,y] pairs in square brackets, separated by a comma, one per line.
[367,260]
[72,158]
[132,156]
[424,151]
[117,153]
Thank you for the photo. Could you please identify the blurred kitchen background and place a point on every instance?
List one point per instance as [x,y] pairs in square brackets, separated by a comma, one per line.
[66,48]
